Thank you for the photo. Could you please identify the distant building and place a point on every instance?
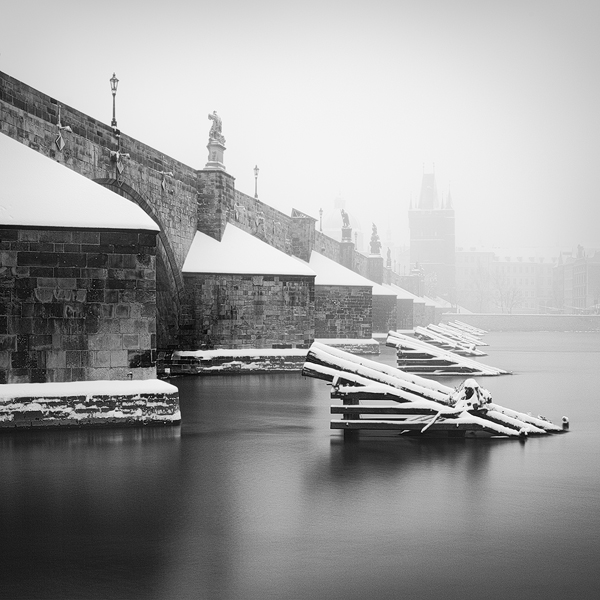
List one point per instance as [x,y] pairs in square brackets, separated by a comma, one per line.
[577,282]
[505,281]
[432,241]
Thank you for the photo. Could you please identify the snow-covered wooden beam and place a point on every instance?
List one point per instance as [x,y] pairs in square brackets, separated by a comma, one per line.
[457,334]
[468,328]
[447,343]
[344,364]
[420,352]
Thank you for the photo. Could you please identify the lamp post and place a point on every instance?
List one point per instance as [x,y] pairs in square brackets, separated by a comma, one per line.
[114,83]
[256,169]
[321,219]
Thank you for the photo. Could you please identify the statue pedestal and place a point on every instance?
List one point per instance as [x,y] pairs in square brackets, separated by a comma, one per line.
[375,268]
[346,234]
[215,155]
[347,254]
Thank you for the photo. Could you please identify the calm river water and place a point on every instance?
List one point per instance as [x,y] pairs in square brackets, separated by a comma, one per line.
[253,497]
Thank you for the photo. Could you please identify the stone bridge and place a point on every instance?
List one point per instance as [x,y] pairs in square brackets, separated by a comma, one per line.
[180,199]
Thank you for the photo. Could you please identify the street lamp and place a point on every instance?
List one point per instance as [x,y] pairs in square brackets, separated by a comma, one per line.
[256,169]
[320,219]
[114,82]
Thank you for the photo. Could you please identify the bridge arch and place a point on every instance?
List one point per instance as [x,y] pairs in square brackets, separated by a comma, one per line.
[169,278]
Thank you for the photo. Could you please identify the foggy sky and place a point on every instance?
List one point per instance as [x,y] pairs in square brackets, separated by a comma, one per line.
[349,99]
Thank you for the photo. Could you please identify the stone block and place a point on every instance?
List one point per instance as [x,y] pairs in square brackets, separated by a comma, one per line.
[86,237]
[40,342]
[99,373]
[107,311]
[56,359]
[122,261]
[100,359]
[111,296]
[78,374]
[41,259]
[119,358]
[96,261]
[9,234]
[8,259]
[29,235]
[56,235]
[124,239]
[127,326]
[68,272]
[91,324]
[95,295]
[73,358]
[67,283]
[72,260]
[95,273]
[131,341]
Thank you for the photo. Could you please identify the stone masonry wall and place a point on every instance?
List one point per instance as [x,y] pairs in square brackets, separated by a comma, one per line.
[419,319]
[76,305]
[246,311]
[385,312]
[405,313]
[303,236]
[343,311]
[375,268]
[262,221]
[215,202]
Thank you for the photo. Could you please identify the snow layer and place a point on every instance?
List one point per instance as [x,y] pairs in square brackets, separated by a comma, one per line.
[39,192]
[240,253]
[404,294]
[86,388]
[239,353]
[383,290]
[347,341]
[331,273]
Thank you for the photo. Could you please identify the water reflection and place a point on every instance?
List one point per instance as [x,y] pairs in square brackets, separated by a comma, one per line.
[253,497]
[82,512]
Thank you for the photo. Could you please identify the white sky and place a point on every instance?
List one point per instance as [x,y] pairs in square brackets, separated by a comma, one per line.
[349,99]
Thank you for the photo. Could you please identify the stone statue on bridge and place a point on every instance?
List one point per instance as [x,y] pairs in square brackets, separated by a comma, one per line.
[375,243]
[215,130]
[345,218]
[216,143]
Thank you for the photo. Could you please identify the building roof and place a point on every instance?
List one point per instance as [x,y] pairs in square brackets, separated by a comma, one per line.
[37,191]
[240,253]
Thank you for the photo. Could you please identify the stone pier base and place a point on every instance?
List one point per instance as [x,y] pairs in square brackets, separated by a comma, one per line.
[354,346]
[88,404]
[250,360]
[231,362]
